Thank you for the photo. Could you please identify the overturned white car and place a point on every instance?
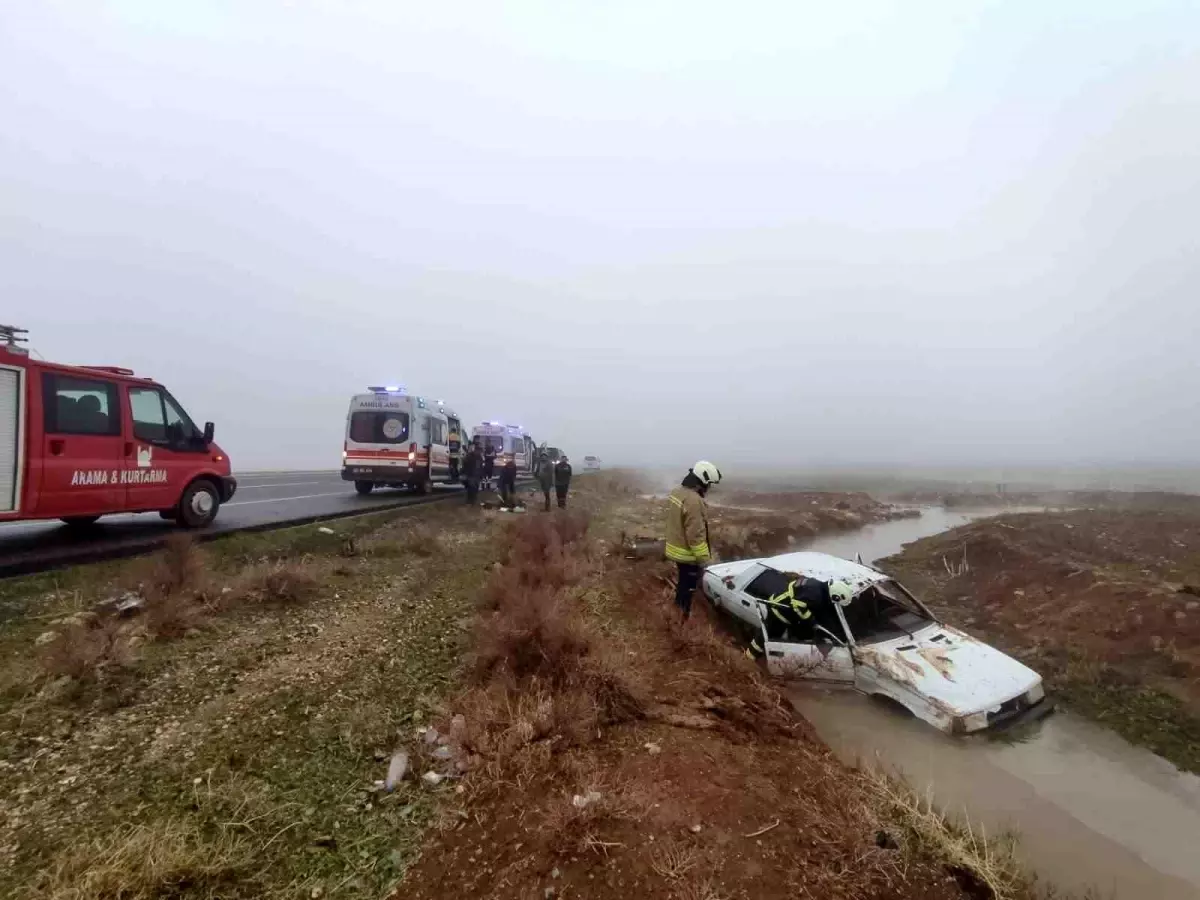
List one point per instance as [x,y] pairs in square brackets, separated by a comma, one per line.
[884,642]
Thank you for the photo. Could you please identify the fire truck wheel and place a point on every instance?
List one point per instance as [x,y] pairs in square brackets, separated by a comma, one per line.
[80,521]
[198,505]
[364,487]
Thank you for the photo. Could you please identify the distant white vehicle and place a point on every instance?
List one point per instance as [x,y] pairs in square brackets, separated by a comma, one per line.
[591,463]
[884,642]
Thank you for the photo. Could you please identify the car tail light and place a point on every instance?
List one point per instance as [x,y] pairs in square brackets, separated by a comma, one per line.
[412,451]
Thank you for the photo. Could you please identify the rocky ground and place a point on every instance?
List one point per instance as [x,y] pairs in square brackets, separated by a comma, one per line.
[1104,601]
[456,703]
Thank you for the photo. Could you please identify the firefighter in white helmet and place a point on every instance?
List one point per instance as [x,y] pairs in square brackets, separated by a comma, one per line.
[687,531]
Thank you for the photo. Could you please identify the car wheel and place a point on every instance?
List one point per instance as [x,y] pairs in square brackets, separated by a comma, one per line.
[80,521]
[171,515]
[199,504]
[364,487]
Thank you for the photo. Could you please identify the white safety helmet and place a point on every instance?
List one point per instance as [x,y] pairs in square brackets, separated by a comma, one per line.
[707,473]
[841,592]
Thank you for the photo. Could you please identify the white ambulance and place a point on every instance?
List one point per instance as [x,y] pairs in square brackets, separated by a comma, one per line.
[397,439]
[509,441]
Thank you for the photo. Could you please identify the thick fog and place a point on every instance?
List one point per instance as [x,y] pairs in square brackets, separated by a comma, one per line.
[768,234]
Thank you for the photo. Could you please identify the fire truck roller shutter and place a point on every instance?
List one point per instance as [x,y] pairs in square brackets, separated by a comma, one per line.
[10,407]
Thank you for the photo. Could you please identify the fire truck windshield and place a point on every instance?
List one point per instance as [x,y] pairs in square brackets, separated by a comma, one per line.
[379,427]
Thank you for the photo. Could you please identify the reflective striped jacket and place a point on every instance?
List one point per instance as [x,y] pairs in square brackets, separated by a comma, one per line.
[687,527]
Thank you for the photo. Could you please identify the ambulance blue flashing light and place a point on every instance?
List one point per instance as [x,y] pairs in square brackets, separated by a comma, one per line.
[388,389]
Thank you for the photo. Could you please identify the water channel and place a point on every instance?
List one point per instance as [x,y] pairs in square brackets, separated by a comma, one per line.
[1092,811]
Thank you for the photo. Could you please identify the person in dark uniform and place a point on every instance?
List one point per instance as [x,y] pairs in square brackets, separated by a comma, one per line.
[472,466]
[793,614]
[489,463]
[508,484]
[562,480]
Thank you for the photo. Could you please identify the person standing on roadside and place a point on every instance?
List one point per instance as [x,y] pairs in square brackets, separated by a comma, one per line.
[508,483]
[489,462]
[687,531]
[545,477]
[562,480]
[472,465]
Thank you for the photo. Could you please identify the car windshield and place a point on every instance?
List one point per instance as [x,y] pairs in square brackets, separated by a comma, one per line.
[495,441]
[884,611]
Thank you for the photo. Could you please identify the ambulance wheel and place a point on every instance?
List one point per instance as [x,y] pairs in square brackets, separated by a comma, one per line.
[364,487]
[80,521]
[421,487]
[198,505]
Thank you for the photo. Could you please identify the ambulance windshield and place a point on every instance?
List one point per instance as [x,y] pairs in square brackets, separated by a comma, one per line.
[379,427]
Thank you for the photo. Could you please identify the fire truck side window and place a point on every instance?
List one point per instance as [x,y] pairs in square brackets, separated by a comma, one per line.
[80,406]
[149,419]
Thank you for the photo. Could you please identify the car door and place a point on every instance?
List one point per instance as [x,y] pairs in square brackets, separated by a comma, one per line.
[165,449]
[82,447]
[821,659]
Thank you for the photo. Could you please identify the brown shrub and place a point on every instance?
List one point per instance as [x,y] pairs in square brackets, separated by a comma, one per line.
[170,614]
[532,634]
[86,649]
[181,567]
[280,583]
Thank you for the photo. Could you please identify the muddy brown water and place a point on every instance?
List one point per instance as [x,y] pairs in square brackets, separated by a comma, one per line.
[1093,812]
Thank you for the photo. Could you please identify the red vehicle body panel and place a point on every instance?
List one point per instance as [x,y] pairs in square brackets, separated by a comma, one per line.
[103,460]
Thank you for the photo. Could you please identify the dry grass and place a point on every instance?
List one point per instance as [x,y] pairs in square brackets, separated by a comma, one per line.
[86,648]
[421,540]
[279,583]
[168,859]
[983,866]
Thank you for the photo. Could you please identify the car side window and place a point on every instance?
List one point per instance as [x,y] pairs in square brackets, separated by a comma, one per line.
[82,406]
[149,415]
[769,583]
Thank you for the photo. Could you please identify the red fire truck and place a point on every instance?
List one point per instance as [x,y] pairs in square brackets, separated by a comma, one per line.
[80,442]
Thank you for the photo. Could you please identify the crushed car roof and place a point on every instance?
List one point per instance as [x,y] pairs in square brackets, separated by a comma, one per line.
[825,567]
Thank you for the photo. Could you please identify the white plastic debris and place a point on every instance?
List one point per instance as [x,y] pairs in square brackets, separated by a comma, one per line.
[433,779]
[443,752]
[397,769]
[652,748]
[324,530]
[431,735]
[583,801]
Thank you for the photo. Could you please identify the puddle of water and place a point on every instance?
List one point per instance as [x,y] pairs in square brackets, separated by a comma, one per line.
[1092,811]
[885,538]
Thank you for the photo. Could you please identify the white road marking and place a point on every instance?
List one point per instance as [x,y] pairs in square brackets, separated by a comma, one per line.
[284,499]
[250,487]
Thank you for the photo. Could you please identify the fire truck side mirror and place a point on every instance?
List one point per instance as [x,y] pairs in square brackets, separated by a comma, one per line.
[208,432]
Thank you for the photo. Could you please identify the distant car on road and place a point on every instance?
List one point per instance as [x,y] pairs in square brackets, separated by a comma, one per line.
[884,642]
[591,463]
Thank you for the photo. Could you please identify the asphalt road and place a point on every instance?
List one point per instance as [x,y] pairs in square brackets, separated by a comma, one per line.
[263,500]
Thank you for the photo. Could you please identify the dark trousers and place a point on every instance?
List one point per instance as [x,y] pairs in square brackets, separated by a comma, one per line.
[685,587]
[508,494]
[561,491]
[472,486]
[546,494]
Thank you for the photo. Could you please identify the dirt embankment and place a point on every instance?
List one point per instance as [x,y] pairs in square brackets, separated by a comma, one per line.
[611,753]
[1104,602]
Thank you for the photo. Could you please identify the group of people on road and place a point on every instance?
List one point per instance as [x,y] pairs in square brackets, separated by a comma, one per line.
[479,471]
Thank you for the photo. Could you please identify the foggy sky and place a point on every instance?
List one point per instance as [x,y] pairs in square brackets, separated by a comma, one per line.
[767,233]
